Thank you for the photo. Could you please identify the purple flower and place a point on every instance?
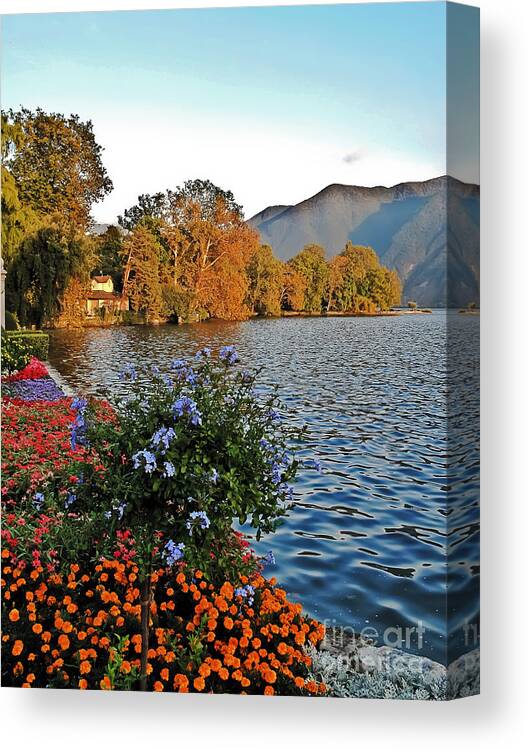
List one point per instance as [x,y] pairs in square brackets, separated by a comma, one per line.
[39,389]
[214,476]
[70,500]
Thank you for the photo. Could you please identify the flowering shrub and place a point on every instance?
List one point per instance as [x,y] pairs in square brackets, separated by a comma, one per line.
[82,629]
[34,370]
[15,353]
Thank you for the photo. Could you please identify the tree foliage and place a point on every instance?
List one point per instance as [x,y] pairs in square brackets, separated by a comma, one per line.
[56,163]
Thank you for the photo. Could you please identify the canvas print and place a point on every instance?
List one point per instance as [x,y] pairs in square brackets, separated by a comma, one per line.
[240,351]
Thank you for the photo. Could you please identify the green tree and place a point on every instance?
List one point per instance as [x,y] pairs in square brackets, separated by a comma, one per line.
[43,270]
[56,163]
[266,274]
[143,275]
[109,255]
[311,264]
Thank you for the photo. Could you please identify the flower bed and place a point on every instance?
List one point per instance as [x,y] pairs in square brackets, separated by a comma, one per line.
[82,630]
[81,624]
[34,370]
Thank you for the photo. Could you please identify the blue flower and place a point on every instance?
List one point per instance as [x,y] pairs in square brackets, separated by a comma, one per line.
[228,355]
[178,364]
[70,500]
[247,593]
[185,406]
[128,373]
[79,404]
[199,519]
[274,415]
[269,558]
[214,476]
[38,499]
[204,353]
[120,510]
[276,474]
[169,469]
[146,459]
[163,436]
[78,431]
[173,552]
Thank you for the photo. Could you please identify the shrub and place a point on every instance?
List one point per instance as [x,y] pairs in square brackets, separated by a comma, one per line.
[36,342]
[11,321]
[15,353]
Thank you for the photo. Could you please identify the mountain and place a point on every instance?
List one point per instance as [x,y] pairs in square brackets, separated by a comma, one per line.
[428,231]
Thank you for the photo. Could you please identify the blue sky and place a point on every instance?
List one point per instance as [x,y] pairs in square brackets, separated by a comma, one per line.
[273,103]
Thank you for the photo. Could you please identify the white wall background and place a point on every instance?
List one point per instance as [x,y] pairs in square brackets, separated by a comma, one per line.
[69,719]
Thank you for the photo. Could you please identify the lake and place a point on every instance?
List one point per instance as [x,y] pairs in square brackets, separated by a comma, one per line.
[374,539]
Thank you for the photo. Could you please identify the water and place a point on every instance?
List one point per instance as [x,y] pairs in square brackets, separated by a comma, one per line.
[366,544]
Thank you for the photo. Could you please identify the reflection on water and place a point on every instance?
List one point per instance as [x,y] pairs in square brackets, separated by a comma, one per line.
[367,540]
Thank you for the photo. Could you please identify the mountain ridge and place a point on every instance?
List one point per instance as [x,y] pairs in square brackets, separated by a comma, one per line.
[428,230]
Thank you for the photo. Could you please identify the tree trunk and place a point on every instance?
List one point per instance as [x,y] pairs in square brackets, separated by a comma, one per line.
[145,594]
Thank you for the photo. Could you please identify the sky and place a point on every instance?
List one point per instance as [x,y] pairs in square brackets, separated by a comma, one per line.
[272,103]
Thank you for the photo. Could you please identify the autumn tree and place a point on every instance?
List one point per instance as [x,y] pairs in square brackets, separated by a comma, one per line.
[310,263]
[206,243]
[293,285]
[56,163]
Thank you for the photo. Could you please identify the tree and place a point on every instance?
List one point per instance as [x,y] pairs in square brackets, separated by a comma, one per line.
[56,164]
[109,255]
[205,246]
[358,281]
[42,271]
[311,264]
[142,278]
[293,286]
[266,277]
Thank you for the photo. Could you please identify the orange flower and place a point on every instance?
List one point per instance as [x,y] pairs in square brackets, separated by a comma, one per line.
[158,687]
[125,666]
[85,667]
[37,628]
[223,673]
[14,615]
[164,674]
[228,623]
[83,684]
[18,647]
[204,670]
[105,683]
[64,642]
[199,684]
[269,690]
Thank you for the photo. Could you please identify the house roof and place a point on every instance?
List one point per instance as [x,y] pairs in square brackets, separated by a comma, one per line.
[101,279]
[102,295]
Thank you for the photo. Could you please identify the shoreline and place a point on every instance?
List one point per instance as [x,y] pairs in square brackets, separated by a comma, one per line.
[286,314]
